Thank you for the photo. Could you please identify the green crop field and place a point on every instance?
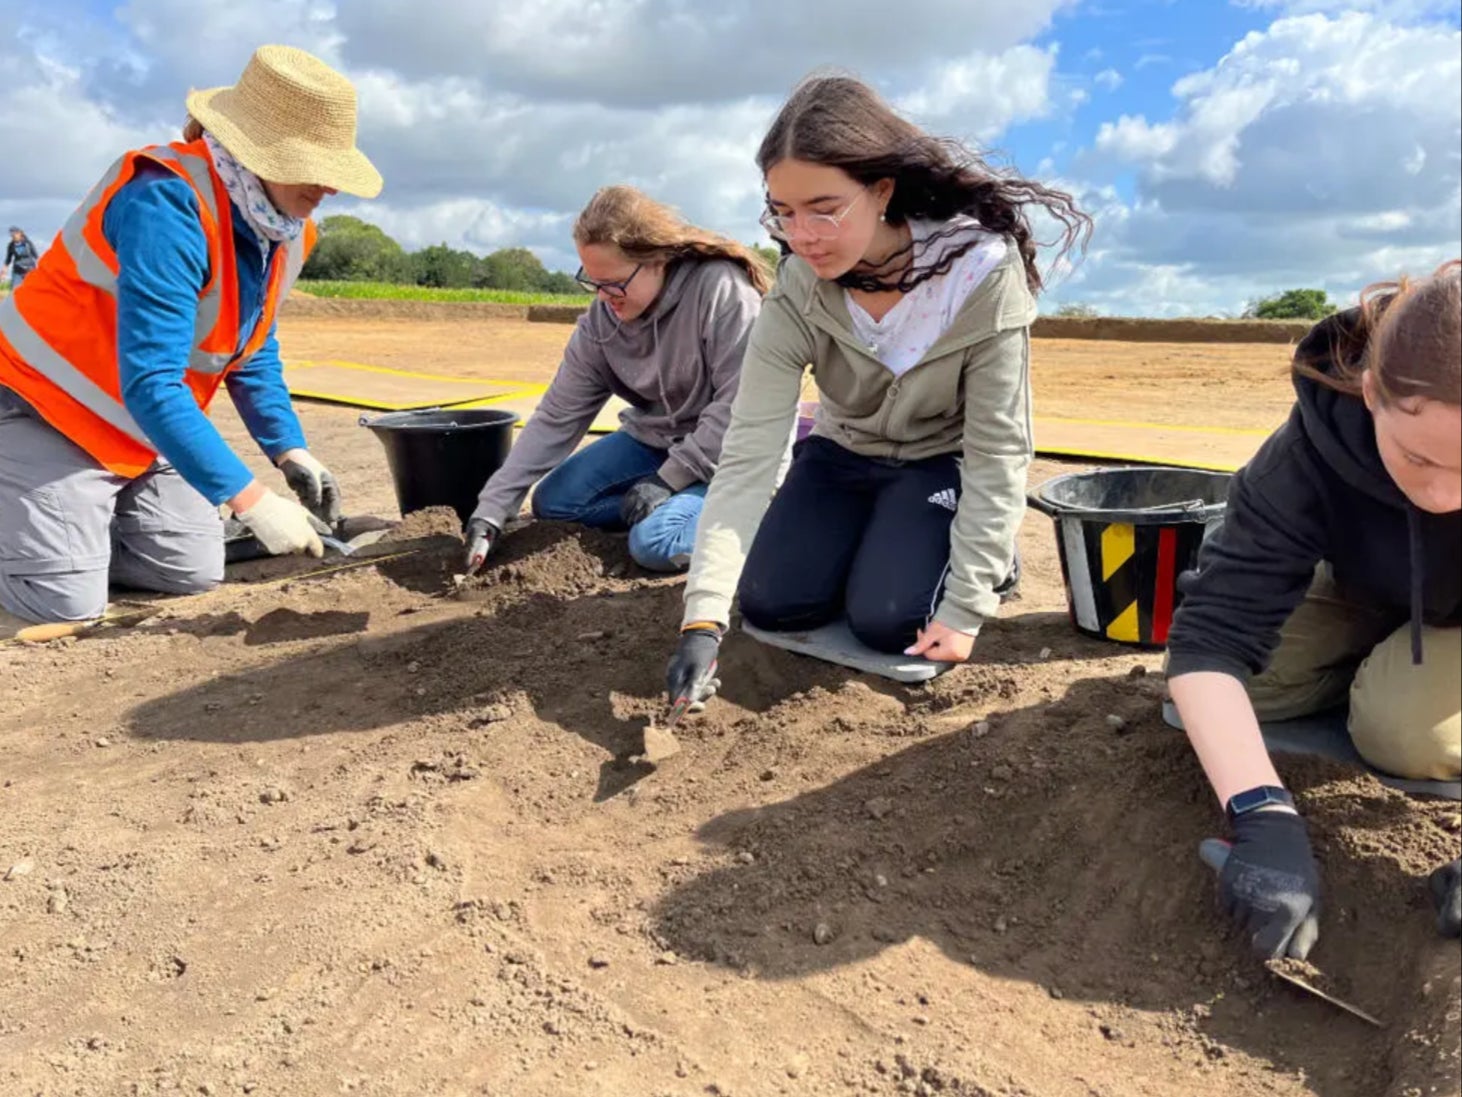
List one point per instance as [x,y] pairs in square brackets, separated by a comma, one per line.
[387,291]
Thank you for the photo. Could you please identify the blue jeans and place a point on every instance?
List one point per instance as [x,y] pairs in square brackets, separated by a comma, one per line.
[588,487]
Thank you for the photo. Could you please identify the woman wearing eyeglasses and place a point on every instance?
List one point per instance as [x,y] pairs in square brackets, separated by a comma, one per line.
[667,330]
[910,291]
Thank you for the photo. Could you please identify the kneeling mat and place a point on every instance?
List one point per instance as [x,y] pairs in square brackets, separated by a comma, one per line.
[835,643]
[1325,734]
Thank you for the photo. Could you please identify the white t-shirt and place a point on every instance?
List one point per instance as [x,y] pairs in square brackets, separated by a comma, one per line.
[902,338]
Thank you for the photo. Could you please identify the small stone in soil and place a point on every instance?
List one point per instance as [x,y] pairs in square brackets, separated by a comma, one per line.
[103,741]
[19,869]
[1115,722]
[1001,925]
[822,934]
[598,962]
[982,729]
[273,795]
[878,807]
[1139,671]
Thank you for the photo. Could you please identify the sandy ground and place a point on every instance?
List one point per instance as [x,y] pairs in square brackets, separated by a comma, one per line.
[1233,385]
[360,833]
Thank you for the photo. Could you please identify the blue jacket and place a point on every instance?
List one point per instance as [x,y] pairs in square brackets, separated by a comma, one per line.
[153,226]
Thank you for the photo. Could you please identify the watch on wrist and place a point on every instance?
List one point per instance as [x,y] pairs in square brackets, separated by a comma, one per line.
[1241,803]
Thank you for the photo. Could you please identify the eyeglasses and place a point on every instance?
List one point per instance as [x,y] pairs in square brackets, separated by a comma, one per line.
[610,289]
[823,226]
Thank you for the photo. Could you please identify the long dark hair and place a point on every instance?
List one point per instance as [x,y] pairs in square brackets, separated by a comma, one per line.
[840,122]
[1407,334]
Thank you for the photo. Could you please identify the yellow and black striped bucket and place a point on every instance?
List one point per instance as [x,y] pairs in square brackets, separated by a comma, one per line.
[1124,536]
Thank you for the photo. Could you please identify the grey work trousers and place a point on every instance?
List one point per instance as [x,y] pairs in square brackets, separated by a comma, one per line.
[69,527]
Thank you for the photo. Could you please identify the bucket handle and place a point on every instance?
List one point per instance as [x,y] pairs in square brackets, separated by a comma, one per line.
[366,420]
[1035,502]
[1051,510]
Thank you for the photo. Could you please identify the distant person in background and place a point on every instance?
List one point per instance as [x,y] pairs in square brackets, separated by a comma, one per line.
[666,332]
[1334,582]
[20,257]
[909,290]
[162,287]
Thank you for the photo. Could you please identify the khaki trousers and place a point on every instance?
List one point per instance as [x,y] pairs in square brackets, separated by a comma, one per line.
[1405,720]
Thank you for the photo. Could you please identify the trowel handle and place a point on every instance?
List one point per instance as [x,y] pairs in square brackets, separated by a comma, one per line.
[1214,852]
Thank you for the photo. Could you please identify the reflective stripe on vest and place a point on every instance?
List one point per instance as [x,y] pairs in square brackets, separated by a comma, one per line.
[65,376]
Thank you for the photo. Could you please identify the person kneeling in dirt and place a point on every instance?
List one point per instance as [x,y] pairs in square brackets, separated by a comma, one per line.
[666,332]
[163,285]
[910,291]
[1334,580]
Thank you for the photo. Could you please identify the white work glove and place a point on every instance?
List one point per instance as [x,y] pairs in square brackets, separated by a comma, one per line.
[282,526]
[482,537]
[312,483]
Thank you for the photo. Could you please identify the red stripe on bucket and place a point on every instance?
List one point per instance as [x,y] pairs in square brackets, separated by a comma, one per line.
[1162,598]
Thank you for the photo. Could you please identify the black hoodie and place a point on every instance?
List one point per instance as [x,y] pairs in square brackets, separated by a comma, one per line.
[1316,490]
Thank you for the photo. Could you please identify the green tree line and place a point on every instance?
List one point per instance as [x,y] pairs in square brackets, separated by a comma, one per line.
[352,250]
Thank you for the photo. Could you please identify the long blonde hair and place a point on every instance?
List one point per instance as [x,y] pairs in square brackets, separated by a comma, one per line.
[647,231]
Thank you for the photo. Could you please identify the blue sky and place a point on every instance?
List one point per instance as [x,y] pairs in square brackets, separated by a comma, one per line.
[1226,149]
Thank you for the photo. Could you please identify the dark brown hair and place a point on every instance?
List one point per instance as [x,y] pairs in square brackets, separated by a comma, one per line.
[840,122]
[647,231]
[1407,335]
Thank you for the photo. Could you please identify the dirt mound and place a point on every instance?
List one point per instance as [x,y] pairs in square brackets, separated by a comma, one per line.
[559,560]
[371,824]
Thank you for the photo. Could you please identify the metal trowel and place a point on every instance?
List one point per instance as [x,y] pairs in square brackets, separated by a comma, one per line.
[660,744]
[1214,853]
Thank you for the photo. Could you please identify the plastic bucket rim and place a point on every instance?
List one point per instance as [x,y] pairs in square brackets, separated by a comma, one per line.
[1170,514]
[401,420]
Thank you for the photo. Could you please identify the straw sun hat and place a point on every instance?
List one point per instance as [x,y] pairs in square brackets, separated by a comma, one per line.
[290,119]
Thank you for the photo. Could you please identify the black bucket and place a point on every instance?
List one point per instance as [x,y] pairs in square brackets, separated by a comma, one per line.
[442,458]
[1124,536]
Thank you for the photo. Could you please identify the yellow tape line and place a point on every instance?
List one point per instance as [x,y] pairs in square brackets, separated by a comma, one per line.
[1135,459]
[1252,432]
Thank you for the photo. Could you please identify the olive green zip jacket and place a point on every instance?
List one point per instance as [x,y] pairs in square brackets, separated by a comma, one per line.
[968,395]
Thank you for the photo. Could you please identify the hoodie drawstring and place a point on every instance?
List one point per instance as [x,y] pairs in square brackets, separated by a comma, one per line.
[1413,535]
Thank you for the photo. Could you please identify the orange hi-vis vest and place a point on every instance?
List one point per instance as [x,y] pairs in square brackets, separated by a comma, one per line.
[58,330]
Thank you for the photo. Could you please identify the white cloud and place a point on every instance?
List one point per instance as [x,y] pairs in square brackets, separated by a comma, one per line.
[980,96]
[1108,79]
[492,123]
[1320,151]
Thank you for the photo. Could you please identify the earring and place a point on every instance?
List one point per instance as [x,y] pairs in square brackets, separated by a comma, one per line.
[882,217]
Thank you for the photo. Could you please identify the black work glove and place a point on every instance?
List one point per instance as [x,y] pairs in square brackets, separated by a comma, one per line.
[482,537]
[643,499]
[1446,888]
[313,484]
[1270,884]
[692,670]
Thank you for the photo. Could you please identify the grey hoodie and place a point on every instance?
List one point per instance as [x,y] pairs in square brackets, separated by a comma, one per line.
[677,365]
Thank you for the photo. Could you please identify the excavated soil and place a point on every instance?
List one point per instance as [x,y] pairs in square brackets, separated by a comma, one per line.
[386,834]
[356,826]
